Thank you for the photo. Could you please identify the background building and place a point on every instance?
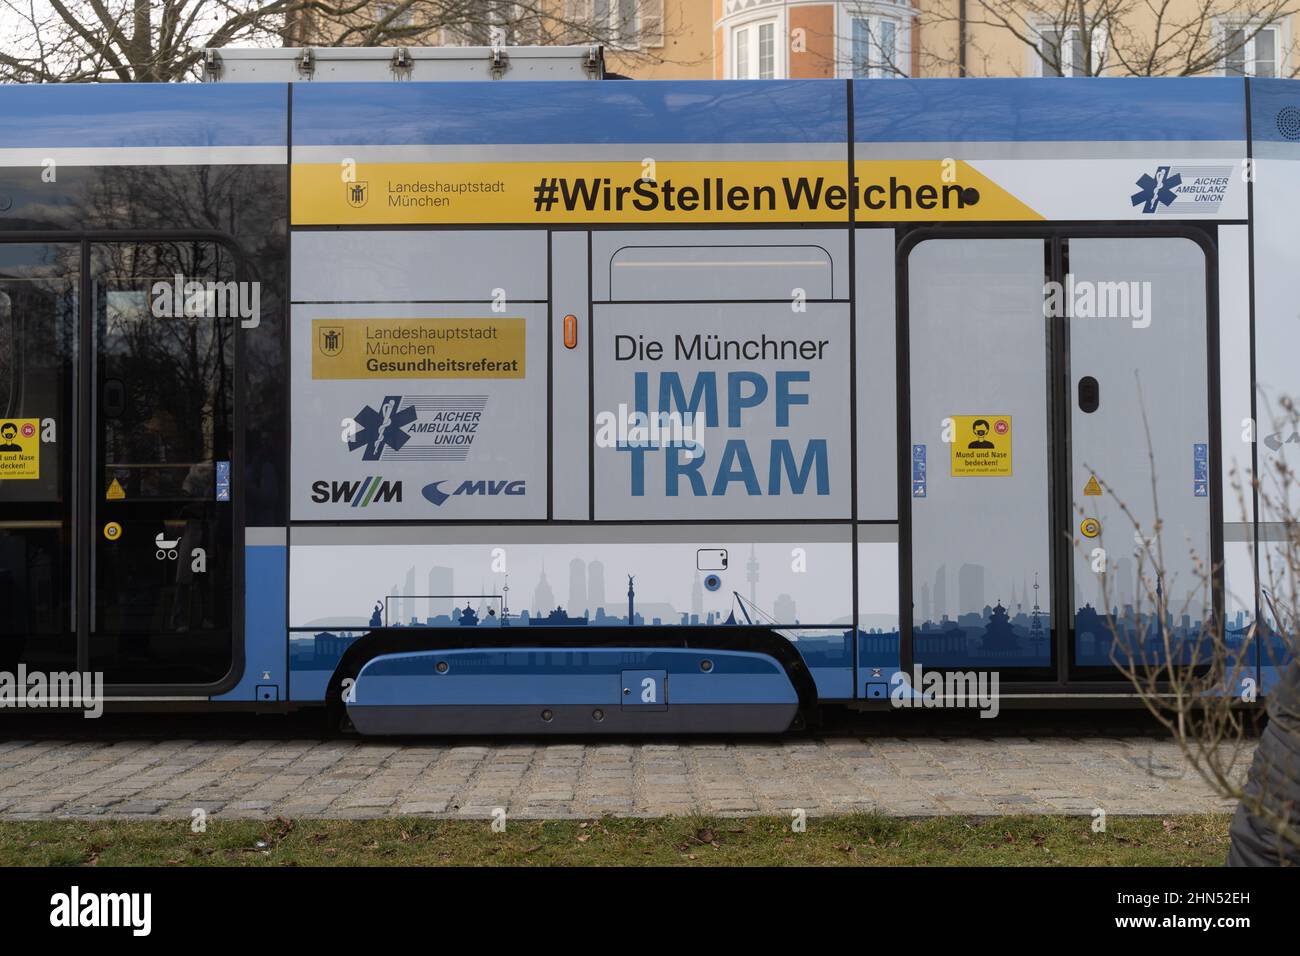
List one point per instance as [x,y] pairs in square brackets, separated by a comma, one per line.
[879,39]
[774,39]
[688,39]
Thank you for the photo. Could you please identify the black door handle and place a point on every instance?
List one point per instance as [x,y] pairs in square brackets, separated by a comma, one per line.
[114,398]
[1089,394]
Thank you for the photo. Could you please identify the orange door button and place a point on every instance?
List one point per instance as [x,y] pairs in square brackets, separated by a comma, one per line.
[570,331]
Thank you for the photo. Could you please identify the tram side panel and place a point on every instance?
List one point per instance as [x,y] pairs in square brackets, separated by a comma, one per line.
[704,541]
[376,471]
[743,530]
[875,378]
[419,394]
[1236,442]
[740,339]
[1275,126]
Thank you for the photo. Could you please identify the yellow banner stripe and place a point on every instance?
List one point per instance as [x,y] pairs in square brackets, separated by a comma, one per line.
[632,192]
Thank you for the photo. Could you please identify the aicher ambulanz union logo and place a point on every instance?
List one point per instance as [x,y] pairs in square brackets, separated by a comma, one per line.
[386,428]
[1157,190]
[1186,189]
[418,427]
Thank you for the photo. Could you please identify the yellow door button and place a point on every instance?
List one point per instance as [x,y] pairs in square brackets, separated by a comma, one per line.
[1090,527]
[112,531]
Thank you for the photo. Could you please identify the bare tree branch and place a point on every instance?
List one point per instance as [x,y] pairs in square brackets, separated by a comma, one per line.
[1199,686]
[1114,37]
[48,41]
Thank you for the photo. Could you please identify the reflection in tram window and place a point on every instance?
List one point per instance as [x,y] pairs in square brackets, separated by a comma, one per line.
[38,309]
[981,541]
[165,394]
[162,589]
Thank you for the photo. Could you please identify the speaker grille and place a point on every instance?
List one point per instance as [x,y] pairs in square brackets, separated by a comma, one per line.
[1288,122]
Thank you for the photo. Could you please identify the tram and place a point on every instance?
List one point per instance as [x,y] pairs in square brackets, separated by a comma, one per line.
[621,407]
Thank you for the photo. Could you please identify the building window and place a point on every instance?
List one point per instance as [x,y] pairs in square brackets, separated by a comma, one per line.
[753,51]
[1250,51]
[619,19]
[874,47]
[766,51]
[1062,53]
[873,38]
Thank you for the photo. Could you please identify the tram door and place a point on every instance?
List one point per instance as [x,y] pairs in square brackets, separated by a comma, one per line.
[160,465]
[39,303]
[116,528]
[1139,434]
[1060,442]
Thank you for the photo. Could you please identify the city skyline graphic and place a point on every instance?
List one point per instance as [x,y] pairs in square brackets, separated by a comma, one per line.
[575,592]
[968,631]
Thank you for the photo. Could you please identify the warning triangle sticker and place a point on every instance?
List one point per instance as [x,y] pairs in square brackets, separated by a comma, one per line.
[1092,487]
[115,491]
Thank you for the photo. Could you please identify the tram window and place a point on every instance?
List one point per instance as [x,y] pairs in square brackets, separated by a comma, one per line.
[665,273]
[164,393]
[38,309]
[37,322]
[162,421]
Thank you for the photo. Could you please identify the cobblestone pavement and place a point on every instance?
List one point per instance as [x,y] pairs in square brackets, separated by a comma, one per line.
[144,779]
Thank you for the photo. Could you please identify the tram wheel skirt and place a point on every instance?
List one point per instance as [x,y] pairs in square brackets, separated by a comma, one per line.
[572,691]
[571,719]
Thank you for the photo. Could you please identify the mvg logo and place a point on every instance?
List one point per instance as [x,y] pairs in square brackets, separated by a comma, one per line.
[360,493]
[437,496]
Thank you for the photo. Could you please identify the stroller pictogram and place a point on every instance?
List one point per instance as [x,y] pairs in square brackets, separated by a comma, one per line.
[166,549]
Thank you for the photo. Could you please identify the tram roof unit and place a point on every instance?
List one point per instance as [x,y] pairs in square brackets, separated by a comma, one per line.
[402,64]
